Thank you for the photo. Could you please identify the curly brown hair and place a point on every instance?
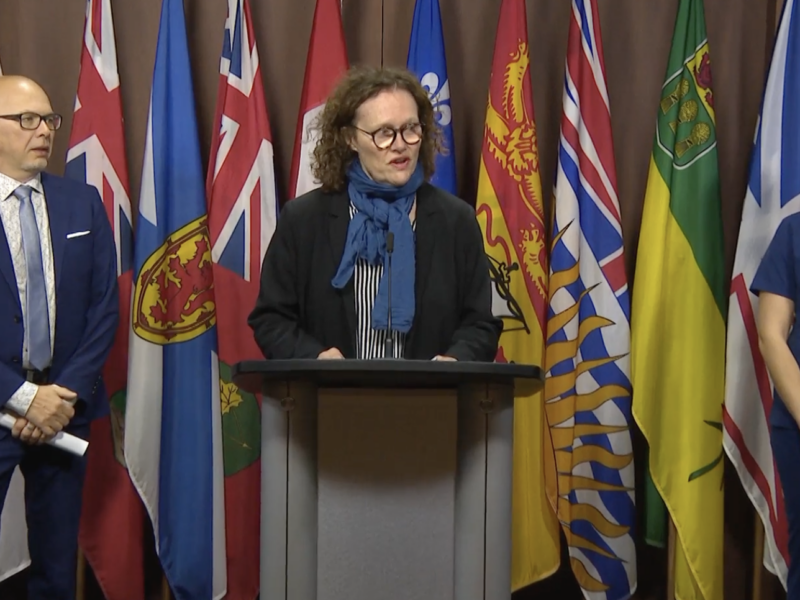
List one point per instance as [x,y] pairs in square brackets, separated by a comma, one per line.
[333,154]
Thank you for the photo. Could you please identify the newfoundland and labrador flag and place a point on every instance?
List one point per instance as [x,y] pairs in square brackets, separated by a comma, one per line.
[173,440]
[773,193]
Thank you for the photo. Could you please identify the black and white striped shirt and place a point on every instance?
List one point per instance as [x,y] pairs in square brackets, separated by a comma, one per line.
[370,342]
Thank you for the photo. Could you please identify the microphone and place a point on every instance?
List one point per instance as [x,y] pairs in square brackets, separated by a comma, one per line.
[388,349]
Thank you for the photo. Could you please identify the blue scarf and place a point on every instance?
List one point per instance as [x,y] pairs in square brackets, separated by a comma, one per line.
[380,208]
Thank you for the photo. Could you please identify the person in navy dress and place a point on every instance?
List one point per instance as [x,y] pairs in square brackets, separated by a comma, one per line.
[777,282]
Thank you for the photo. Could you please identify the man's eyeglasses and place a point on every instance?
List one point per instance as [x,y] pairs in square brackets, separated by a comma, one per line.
[31,121]
[385,136]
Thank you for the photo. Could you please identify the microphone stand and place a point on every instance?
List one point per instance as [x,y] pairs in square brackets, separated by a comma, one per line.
[388,349]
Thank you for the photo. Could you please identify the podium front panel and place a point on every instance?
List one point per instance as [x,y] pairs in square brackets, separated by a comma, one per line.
[386,481]
[391,494]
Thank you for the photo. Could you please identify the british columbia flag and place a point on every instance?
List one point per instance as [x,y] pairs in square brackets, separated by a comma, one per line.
[243,213]
[587,386]
[113,516]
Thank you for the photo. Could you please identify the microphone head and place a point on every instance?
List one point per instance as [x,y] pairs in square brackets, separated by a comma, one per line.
[389,242]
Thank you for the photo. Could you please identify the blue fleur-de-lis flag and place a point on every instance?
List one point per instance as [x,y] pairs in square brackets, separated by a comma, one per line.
[426,59]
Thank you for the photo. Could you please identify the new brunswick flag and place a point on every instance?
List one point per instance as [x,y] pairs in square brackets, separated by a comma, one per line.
[511,215]
[679,308]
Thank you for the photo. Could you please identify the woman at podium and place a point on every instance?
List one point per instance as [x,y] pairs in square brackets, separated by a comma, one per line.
[376,262]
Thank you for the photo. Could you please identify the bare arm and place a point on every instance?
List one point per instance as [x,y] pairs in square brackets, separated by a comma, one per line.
[775,318]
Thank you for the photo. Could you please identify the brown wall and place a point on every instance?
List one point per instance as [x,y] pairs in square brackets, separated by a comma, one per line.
[42,39]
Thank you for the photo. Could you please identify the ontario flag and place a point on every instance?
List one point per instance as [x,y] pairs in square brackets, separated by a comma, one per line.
[173,441]
[326,63]
[773,193]
[112,518]
[242,215]
[587,385]
[511,214]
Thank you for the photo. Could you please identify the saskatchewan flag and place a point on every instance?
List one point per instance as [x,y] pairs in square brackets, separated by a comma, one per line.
[679,313]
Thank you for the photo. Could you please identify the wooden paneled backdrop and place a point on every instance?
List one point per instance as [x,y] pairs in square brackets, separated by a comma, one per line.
[42,39]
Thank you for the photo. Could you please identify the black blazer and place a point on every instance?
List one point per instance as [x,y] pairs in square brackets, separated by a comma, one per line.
[299,313]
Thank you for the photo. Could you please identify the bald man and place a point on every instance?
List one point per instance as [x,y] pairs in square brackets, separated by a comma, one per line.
[58,315]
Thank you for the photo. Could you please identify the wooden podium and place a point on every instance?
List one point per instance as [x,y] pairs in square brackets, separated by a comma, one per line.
[386,479]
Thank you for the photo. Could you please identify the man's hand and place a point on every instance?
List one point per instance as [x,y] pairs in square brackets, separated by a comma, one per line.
[28,433]
[442,357]
[330,353]
[51,409]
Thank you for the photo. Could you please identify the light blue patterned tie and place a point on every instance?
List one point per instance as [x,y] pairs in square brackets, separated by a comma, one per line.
[37,326]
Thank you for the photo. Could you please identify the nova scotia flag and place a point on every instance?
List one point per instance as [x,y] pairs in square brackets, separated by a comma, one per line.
[173,415]
[426,59]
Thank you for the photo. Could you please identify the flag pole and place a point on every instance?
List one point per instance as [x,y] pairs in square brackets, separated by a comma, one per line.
[382,19]
[671,548]
[758,558]
[166,594]
[80,576]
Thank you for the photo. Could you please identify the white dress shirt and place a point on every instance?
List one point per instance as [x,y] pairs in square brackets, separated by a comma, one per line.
[370,343]
[21,400]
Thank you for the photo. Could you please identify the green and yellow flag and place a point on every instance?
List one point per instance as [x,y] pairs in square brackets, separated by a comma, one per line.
[679,313]
[511,215]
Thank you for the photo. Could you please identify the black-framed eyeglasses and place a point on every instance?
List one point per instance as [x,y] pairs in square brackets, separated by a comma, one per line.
[384,137]
[31,121]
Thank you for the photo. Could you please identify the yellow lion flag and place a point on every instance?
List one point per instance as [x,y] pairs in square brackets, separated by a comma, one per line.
[511,215]
[678,314]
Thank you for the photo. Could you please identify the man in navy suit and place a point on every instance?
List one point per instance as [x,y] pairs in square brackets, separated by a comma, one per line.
[58,315]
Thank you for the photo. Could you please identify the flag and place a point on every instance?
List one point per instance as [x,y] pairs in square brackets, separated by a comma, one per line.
[773,193]
[679,310]
[587,385]
[326,62]
[14,555]
[173,414]
[112,518]
[426,59]
[511,215]
[242,216]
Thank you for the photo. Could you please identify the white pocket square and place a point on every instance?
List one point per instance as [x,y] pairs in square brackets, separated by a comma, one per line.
[78,234]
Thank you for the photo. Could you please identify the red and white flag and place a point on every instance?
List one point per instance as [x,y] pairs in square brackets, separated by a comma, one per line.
[773,193]
[112,519]
[243,211]
[326,63]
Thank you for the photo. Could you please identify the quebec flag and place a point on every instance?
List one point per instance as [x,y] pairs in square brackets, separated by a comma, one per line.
[173,415]
[426,59]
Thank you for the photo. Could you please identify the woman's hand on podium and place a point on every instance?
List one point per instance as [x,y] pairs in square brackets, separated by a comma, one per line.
[330,353]
[441,357]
